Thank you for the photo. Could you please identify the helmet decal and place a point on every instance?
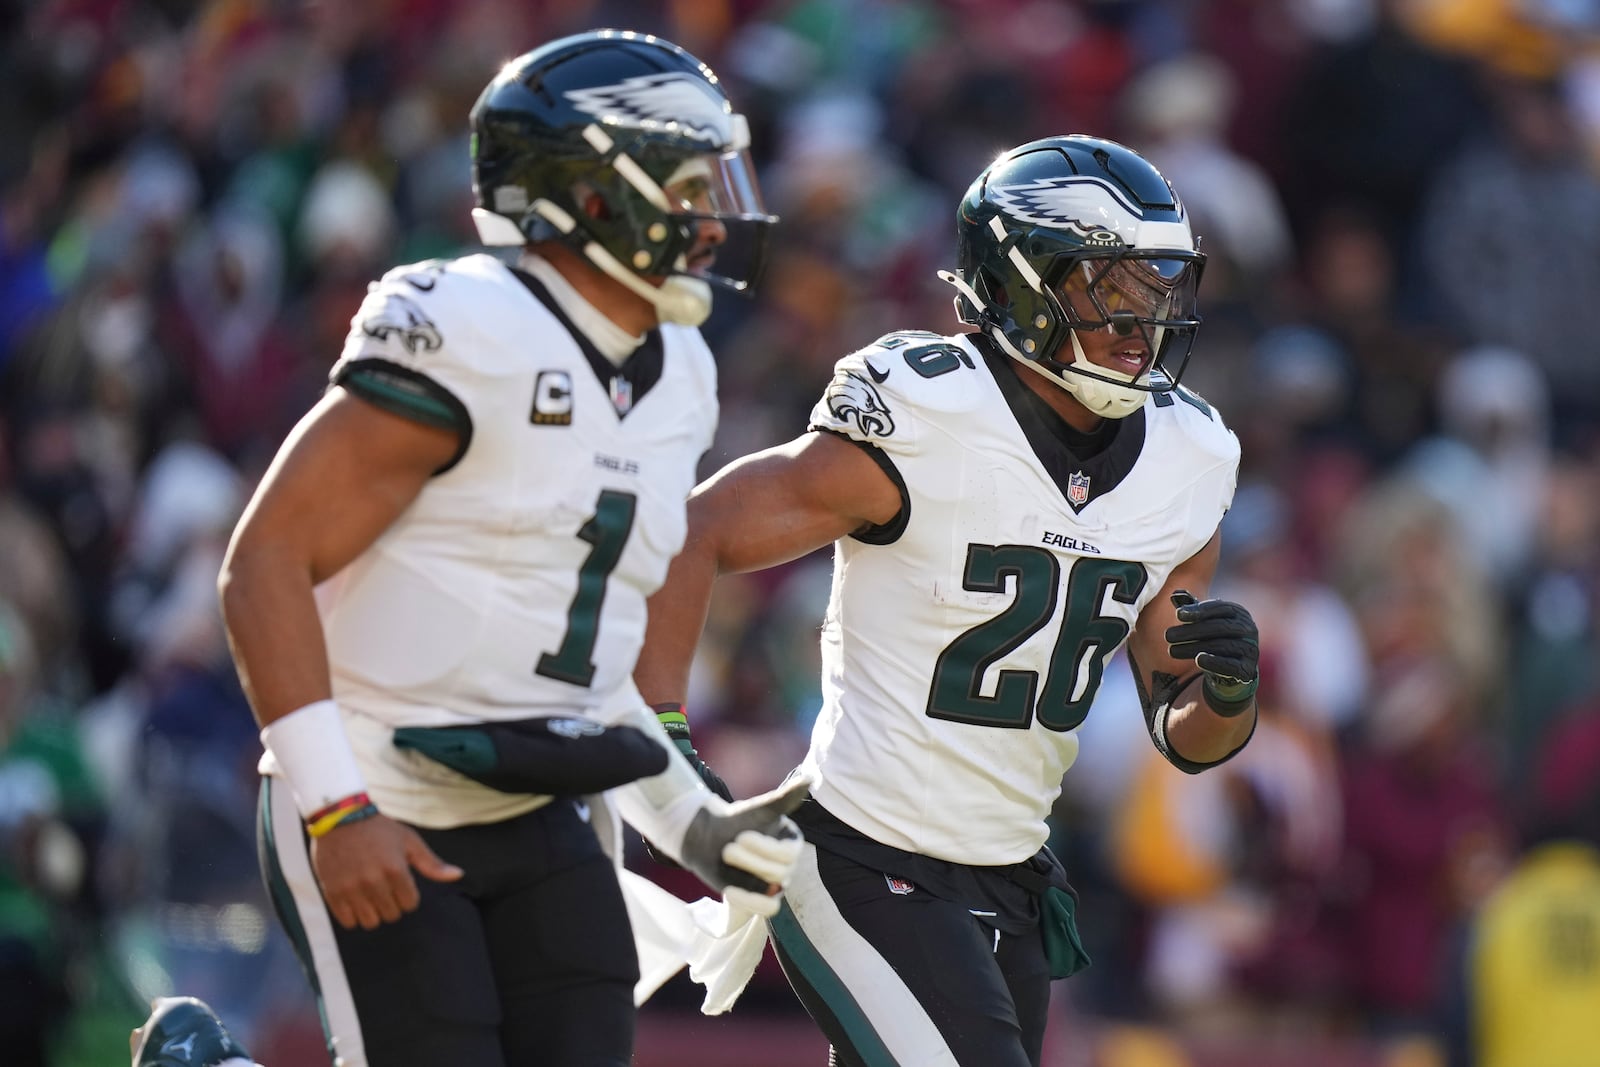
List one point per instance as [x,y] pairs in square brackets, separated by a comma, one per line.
[1087,205]
[672,100]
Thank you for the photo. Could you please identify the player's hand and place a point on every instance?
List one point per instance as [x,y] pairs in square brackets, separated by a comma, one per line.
[1221,638]
[676,724]
[748,852]
[365,867]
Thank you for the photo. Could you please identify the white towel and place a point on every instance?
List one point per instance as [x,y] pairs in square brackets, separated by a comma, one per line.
[721,945]
[727,947]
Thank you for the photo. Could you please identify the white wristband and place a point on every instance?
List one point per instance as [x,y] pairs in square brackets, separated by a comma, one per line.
[314,753]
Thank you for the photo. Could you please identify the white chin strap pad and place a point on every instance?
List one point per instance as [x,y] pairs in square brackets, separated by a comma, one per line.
[1103,398]
[683,300]
[680,299]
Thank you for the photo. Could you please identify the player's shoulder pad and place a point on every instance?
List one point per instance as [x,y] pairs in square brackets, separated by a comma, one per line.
[914,369]
[930,368]
[1194,425]
[427,314]
[880,393]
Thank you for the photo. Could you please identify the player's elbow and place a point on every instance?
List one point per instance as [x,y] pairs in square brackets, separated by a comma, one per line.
[246,576]
[707,543]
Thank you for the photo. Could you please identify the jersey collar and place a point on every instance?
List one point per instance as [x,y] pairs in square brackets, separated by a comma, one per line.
[1084,466]
[627,383]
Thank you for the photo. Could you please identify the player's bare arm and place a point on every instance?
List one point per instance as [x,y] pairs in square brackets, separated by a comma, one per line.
[346,472]
[1200,729]
[757,512]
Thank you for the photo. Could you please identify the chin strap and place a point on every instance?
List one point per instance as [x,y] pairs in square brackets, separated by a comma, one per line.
[960,285]
[1104,398]
[681,299]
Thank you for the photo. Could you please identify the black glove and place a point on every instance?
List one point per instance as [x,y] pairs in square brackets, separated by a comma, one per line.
[676,724]
[1221,638]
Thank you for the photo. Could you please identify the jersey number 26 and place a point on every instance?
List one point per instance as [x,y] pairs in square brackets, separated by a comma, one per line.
[1077,661]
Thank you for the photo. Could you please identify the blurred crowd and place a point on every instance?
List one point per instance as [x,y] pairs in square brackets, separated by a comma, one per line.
[1400,200]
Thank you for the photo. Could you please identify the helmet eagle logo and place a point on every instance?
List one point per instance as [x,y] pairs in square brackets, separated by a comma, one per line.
[1087,205]
[659,102]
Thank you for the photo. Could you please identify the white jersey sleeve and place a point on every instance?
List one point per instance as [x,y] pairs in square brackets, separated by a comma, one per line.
[879,398]
[398,356]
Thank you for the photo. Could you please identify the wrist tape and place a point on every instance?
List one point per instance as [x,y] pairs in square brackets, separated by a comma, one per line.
[314,754]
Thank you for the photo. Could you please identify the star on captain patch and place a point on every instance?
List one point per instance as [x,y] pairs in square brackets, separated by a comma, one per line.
[1078,489]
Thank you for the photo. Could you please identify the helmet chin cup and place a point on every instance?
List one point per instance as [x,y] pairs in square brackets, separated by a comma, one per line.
[684,301]
[1106,399]
[681,300]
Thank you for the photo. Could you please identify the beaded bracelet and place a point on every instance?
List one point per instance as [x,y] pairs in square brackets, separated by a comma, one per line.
[352,808]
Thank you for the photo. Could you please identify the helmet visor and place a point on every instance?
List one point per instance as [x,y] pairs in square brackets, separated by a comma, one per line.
[1157,289]
[717,198]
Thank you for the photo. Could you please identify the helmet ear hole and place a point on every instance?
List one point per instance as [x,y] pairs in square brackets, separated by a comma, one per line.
[992,289]
[594,205]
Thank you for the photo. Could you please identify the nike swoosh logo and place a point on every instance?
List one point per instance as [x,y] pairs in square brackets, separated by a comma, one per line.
[879,376]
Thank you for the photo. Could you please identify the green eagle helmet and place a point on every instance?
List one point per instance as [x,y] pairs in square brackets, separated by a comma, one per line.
[644,126]
[1072,234]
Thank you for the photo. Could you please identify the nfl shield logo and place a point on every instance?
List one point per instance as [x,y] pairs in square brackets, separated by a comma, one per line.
[1078,489]
[899,886]
[621,395]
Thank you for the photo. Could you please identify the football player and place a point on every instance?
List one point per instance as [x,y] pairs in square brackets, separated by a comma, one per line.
[1008,507]
[436,596]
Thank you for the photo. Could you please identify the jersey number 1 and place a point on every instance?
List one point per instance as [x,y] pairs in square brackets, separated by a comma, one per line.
[1082,643]
[607,530]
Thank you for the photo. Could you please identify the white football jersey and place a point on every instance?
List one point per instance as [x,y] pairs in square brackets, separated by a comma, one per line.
[964,642]
[515,585]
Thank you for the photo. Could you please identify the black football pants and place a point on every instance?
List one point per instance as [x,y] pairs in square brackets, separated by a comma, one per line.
[897,978]
[527,961]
